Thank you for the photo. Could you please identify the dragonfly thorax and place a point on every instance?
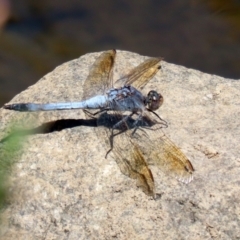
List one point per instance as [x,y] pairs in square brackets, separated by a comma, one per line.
[154,100]
[126,98]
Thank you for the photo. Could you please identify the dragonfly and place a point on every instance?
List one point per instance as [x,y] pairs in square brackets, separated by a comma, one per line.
[136,138]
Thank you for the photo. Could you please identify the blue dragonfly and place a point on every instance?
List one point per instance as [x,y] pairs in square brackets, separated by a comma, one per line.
[132,150]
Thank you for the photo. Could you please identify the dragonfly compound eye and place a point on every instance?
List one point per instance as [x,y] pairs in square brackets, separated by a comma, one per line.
[154,100]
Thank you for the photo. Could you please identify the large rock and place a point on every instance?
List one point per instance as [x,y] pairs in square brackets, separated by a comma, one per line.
[63,187]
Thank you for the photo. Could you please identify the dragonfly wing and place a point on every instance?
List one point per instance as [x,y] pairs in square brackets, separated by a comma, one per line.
[141,74]
[100,75]
[162,152]
[126,153]
[133,164]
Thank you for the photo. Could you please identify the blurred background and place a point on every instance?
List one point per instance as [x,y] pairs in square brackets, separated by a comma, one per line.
[37,36]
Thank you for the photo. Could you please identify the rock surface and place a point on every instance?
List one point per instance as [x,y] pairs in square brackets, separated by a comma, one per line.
[63,187]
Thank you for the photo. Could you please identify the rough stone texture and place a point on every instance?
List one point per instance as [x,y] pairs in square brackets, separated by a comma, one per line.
[63,188]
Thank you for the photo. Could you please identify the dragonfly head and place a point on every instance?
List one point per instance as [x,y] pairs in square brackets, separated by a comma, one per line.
[154,100]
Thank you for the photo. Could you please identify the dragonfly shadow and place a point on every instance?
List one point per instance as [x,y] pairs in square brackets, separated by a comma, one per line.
[51,126]
[110,121]
[105,120]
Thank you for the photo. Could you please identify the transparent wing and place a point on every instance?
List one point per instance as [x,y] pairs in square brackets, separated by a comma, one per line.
[133,164]
[100,75]
[162,152]
[127,154]
[141,74]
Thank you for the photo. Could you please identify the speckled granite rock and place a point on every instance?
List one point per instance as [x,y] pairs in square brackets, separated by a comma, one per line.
[63,187]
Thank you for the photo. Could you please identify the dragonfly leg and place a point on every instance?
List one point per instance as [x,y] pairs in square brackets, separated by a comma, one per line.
[162,120]
[111,140]
[116,126]
[123,120]
[92,115]
[137,120]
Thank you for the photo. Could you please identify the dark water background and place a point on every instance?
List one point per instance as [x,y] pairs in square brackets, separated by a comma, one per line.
[40,35]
